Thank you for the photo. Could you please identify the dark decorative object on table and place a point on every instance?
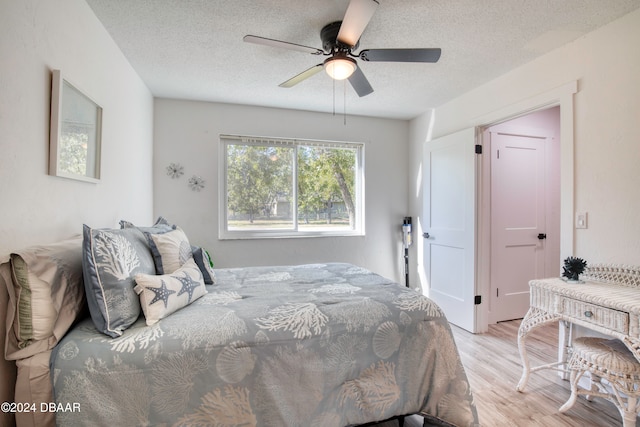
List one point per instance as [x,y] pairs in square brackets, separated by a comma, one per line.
[573,267]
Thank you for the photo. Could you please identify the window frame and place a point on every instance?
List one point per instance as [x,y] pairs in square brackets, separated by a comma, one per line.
[223,230]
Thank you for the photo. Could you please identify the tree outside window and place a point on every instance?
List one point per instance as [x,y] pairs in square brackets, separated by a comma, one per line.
[284,187]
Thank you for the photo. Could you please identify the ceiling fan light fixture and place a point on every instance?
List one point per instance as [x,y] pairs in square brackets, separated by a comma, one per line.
[340,67]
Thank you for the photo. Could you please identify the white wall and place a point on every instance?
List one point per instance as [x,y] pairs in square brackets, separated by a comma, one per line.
[37,36]
[606,64]
[188,133]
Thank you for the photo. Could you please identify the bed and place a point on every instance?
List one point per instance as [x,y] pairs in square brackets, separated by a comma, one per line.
[316,345]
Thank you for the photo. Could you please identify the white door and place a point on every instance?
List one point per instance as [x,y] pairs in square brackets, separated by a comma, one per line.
[449,212]
[517,221]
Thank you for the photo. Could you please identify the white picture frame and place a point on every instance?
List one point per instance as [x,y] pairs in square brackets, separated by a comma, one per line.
[75,139]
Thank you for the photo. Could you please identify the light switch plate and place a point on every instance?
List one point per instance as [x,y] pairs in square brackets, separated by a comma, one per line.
[581,220]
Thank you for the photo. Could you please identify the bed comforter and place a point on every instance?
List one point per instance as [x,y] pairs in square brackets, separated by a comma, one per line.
[311,345]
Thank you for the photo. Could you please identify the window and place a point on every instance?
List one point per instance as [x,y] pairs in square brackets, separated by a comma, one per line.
[290,188]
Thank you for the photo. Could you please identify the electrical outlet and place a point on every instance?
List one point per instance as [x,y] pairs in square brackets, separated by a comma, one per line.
[581,220]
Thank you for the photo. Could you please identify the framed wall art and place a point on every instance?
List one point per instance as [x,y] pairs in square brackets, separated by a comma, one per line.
[75,134]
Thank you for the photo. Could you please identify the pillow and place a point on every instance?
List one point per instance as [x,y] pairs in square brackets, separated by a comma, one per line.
[170,250]
[165,294]
[204,262]
[111,258]
[201,256]
[46,296]
[161,226]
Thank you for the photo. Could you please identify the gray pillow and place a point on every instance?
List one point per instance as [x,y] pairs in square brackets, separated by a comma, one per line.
[110,260]
[160,226]
[205,264]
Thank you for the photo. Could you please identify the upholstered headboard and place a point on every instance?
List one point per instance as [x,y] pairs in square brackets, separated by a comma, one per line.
[7,367]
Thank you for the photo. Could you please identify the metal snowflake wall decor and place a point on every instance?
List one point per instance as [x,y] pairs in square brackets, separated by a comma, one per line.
[196,183]
[175,170]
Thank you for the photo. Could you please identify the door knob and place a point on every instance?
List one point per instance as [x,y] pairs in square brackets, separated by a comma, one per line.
[425,235]
[542,236]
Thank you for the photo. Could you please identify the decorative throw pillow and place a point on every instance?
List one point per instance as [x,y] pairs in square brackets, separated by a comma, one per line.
[204,262]
[201,256]
[46,296]
[111,258]
[170,250]
[161,226]
[165,294]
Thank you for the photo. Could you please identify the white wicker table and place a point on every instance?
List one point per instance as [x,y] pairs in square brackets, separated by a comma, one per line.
[608,302]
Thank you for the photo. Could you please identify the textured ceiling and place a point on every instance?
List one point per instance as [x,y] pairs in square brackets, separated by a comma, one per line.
[193,49]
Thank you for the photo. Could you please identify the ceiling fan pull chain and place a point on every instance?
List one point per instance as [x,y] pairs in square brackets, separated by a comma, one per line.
[344,97]
[334,97]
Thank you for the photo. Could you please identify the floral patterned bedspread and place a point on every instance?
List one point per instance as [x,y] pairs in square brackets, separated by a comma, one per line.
[310,345]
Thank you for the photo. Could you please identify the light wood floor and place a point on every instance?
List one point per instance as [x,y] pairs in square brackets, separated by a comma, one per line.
[492,363]
[493,367]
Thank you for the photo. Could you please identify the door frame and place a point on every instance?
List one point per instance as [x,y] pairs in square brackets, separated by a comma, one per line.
[561,96]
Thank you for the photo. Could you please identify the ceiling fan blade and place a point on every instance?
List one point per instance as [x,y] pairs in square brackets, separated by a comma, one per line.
[360,83]
[356,19]
[401,55]
[285,45]
[302,76]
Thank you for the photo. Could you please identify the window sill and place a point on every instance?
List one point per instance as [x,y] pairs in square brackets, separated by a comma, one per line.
[243,235]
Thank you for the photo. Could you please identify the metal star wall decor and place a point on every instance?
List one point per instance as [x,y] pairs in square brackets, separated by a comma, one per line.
[196,183]
[175,170]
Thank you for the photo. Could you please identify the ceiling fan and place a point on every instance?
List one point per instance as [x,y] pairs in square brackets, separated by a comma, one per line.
[339,41]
